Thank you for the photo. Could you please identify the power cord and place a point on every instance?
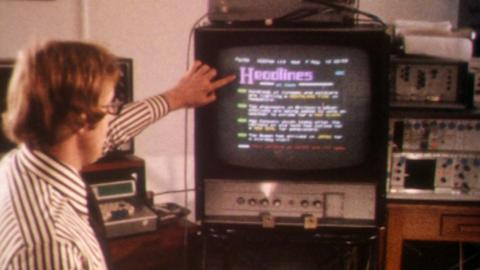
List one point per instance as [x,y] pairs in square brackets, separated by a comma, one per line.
[173,191]
[186,190]
[350,9]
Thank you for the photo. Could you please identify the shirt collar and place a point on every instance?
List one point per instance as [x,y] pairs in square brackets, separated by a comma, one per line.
[61,176]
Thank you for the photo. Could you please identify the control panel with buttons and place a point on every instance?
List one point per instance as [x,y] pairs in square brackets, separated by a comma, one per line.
[434,158]
[428,82]
[275,203]
[430,134]
[435,176]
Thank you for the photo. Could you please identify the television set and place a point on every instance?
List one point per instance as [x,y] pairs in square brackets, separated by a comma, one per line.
[302,131]
[123,92]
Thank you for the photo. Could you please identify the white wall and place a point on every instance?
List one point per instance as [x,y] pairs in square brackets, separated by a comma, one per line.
[152,32]
[429,10]
[23,22]
[155,33]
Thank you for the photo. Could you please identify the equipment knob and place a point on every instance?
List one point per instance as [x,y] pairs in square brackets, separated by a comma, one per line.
[252,202]
[277,202]
[240,200]
[264,202]
[317,204]
[304,203]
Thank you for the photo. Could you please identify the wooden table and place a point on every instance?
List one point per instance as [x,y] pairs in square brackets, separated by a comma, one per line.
[428,221]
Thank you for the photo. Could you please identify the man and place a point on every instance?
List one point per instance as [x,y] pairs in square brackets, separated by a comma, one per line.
[62,114]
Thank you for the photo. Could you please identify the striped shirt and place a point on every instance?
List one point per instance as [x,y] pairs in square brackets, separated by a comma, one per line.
[43,203]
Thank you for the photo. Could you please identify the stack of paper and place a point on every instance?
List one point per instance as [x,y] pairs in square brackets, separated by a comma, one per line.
[434,39]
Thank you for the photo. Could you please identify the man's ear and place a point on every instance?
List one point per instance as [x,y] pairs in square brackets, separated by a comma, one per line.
[82,123]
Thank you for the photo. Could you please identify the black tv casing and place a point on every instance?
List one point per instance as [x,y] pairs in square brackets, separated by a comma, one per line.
[211,40]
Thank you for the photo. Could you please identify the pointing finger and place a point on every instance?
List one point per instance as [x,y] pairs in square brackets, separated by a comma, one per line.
[223,81]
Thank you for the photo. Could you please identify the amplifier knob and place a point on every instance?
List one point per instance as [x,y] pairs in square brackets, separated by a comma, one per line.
[252,202]
[277,202]
[317,204]
[240,200]
[264,202]
[304,203]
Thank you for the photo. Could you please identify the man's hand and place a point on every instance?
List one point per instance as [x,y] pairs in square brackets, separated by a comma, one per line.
[196,88]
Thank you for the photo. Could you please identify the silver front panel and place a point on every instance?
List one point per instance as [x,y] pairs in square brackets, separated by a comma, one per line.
[290,203]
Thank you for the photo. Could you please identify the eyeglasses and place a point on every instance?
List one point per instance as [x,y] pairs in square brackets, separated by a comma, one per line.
[114,108]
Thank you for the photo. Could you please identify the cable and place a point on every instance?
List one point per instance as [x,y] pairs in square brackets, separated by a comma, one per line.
[173,191]
[349,9]
[190,37]
[185,154]
[186,118]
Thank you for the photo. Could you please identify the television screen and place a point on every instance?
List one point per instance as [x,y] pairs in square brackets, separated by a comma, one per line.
[294,107]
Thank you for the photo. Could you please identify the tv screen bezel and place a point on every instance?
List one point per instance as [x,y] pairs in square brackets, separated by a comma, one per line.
[210,40]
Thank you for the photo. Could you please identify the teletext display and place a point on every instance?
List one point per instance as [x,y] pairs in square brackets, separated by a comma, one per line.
[294,107]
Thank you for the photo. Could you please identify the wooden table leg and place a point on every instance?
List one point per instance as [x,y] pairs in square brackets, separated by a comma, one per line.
[394,244]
